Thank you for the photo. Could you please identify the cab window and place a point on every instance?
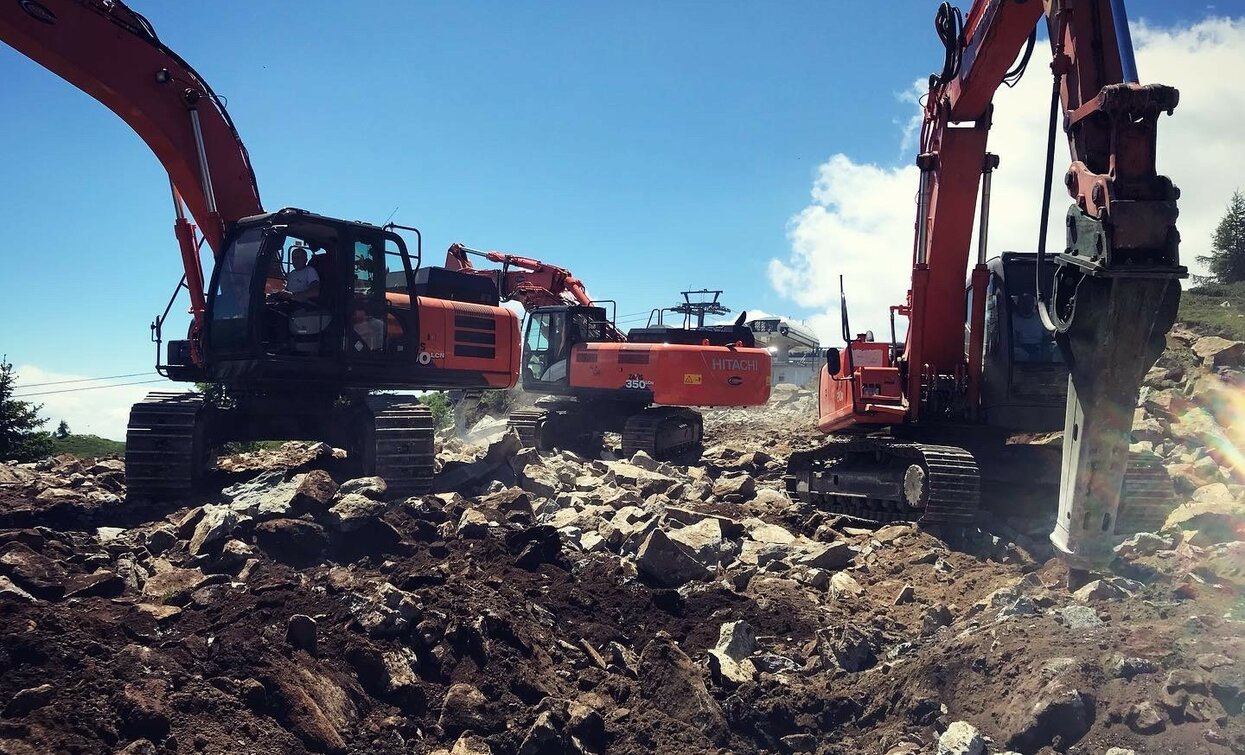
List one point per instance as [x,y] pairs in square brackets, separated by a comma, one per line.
[369,268]
[396,274]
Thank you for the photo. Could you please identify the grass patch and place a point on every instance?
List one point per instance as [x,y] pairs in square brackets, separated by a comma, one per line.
[84,446]
[1203,309]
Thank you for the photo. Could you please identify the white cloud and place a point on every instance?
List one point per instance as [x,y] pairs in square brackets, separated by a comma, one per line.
[98,411]
[860,221]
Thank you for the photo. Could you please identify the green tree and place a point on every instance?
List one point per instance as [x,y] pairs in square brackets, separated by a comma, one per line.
[1227,249]
[20,435]
[62,430]
[439,404]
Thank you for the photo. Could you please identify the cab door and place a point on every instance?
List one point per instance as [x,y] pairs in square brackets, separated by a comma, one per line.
[380,313]
[546,348]
[366,309]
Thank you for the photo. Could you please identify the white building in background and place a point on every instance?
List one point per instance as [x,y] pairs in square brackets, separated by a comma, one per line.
[795,349]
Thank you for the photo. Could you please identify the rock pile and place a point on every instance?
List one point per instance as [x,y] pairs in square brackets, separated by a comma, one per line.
[551,603]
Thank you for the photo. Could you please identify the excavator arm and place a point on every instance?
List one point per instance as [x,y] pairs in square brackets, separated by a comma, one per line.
[533,284]
[113,54]
[1116,288]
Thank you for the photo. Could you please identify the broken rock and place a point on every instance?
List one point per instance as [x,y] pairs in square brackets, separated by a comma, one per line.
[844,585]
[702,539]
[370,487]
[740,486]
[29,699]
[668,563]
[171,585]
[33,572]
[300,632]
[1145,718]
[640,480]
[216,524]
[1060,711]
[828,556]
[728,661]
[354,511]
[465,707]
[292,541]
[1219,352]
[473,524]
[961,738]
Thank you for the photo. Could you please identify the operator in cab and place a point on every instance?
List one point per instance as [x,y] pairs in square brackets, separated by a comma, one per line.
[302,283]
[1030,341]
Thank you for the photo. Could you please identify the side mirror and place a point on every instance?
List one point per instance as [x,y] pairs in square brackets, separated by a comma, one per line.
[834,361]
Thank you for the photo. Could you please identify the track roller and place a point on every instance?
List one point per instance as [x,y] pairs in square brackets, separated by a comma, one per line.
[662,432]
[882,480]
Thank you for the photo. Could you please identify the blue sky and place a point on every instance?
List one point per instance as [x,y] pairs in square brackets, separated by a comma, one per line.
[647,146]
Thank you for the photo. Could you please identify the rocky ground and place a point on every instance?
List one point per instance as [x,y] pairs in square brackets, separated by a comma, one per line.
[552,604]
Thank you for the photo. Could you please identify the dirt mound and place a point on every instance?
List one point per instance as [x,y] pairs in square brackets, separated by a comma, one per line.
[552,603]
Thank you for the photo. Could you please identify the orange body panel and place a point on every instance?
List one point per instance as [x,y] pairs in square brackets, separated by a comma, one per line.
[677,374]
[866,390]
[457,335]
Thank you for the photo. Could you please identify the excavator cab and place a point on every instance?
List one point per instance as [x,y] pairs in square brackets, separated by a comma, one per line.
[551,334]
[301,295]
[1024,377]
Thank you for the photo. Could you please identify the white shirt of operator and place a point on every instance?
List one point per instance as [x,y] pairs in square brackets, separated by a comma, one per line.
[299,281]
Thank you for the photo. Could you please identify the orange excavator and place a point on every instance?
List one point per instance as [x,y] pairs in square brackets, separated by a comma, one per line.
[598,379]
[303,314]
[919,426]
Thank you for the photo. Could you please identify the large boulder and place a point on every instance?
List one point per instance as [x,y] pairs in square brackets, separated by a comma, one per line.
[703,539]
[1219,352]
[668,563]
[217,524]
[642,481]
[355,511]
[32,572]
[1215,512]
[292,541]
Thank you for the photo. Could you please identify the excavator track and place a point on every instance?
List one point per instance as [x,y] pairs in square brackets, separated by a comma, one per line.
[527,423]
[662,432]
[570,426]
[1148,497]
[165,447]
[403,447]
[881,481]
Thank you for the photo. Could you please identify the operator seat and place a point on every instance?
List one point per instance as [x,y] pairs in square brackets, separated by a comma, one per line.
[322,263]
[308,327]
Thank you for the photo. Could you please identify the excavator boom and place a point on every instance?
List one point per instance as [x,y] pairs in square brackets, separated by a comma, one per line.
[534,284]
[113,54]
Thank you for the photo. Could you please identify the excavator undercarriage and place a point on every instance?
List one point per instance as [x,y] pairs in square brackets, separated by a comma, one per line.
[884,479]
[663,432]
[172,436]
